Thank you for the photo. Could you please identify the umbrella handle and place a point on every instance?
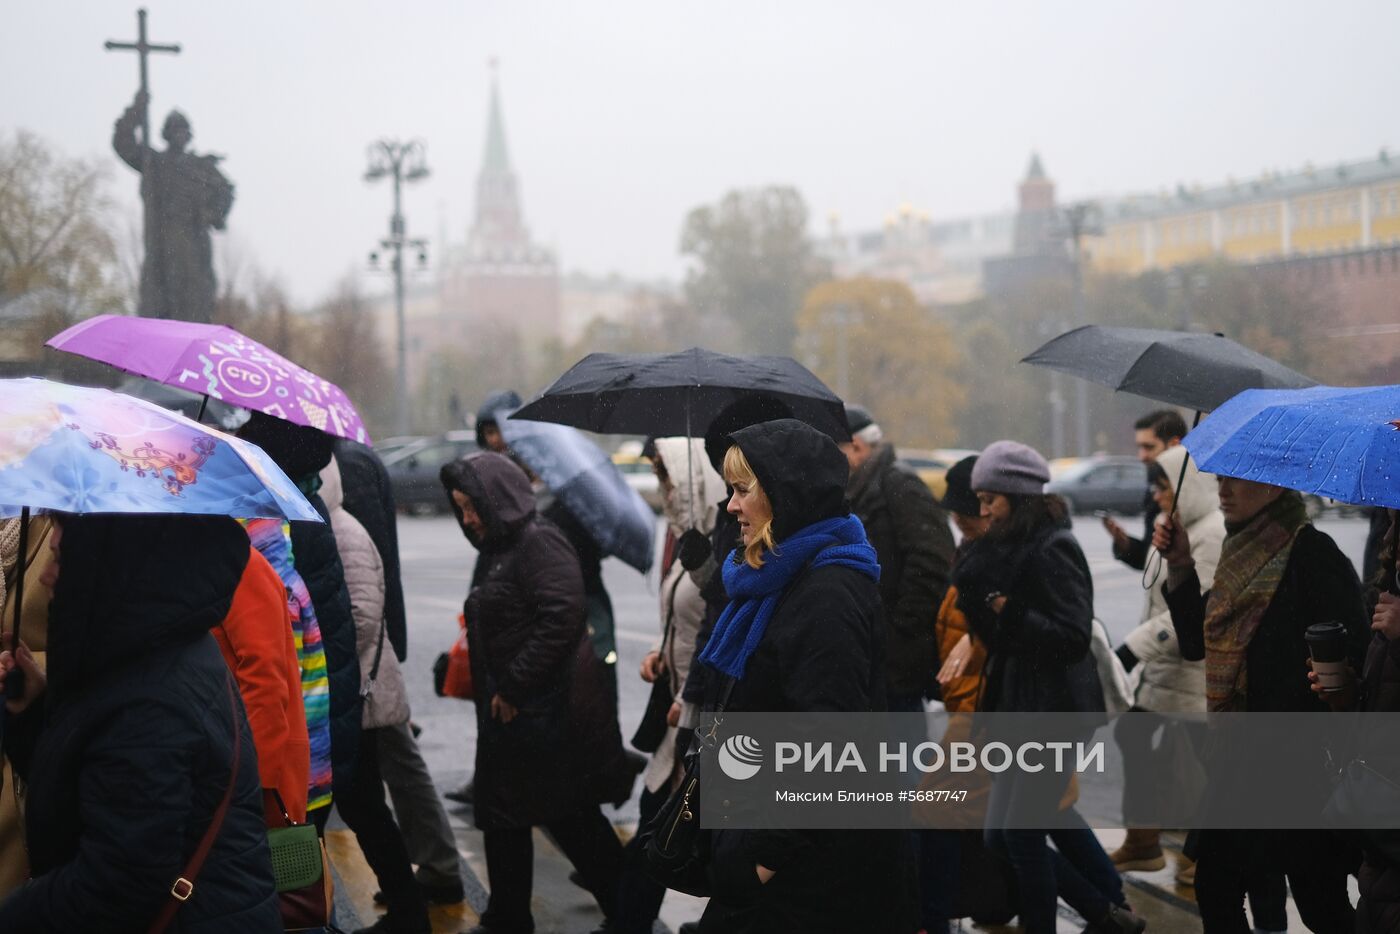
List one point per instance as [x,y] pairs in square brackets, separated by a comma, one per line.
[203,404]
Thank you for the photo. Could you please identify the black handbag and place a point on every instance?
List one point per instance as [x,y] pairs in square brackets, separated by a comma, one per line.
[676,850]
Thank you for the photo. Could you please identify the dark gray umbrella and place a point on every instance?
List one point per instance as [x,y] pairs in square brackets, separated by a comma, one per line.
[1195,371]
[581,475]
[679,394]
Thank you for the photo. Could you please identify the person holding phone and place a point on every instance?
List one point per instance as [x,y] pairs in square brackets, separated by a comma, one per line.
[1154,433]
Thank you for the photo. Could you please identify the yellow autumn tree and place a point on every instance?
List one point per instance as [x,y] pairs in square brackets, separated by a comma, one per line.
[899,360]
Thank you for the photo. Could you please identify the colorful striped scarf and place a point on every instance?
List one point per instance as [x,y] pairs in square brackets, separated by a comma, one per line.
[273,539]
[1252,562]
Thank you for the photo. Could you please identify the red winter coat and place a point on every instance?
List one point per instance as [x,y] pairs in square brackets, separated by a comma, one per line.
[256,640]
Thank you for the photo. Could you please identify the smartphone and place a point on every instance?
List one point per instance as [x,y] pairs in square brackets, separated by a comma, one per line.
[1102,514]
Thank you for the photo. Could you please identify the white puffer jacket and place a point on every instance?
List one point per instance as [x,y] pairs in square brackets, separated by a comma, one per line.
[387,703]
[1166,682]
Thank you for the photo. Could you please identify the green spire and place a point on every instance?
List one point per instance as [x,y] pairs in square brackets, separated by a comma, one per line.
[1036,170]
[496,160]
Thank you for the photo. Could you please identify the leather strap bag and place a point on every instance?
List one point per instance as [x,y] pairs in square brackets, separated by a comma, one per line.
[183,887]
[676,850]
[300,866]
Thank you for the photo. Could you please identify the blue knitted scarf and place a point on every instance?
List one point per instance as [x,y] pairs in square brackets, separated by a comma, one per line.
[754,593]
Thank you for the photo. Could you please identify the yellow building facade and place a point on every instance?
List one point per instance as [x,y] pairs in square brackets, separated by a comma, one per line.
[1353,206]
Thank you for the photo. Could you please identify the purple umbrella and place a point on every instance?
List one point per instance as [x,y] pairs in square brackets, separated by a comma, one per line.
[219,363]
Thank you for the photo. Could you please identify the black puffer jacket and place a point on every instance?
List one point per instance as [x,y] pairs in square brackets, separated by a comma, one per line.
[1038,658]
[302,453]
[910,534]
[370,499]
[525,626]
[132,751]
[822,651]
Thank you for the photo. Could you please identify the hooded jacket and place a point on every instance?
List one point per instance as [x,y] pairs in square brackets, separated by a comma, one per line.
[369,497]
[822,651]
[690,504]
[495,401]
[911,537]
[302,452]
[1166,682]
[133,745]
[525,628]
[387,702]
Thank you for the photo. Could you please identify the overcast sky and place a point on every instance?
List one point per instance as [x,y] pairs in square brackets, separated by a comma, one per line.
[621,116]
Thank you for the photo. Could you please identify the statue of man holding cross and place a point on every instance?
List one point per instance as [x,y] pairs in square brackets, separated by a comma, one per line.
[185,196]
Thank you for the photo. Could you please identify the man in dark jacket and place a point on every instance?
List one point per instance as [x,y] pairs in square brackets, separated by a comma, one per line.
[1152,434]
[910,534]
[302,452]
[131,750]
[369,497]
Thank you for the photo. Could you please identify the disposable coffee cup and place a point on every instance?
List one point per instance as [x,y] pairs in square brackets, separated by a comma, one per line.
[1327,643]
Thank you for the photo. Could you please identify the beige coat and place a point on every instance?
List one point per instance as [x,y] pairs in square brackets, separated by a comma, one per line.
[387,702]
[1166,682]
[34,627]
[682,607]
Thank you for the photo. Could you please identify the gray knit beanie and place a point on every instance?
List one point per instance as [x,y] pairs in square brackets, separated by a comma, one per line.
[1012,468]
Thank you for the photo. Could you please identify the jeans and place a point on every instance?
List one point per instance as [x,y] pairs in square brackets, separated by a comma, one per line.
[421,817]
[365,811]
[589,842]
[1077,870]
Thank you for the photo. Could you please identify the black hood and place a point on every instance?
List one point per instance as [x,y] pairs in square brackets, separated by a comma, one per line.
[299,450]
[750,410]
[496,400]
[801,470]
[129,585]
[500,491]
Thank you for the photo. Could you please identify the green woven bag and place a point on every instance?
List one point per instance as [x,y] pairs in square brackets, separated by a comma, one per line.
[296,856]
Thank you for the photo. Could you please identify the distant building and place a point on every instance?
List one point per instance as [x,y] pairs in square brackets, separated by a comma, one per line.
[1313,212]
[941,261]
[1039,246]
[585,300]
[500,274]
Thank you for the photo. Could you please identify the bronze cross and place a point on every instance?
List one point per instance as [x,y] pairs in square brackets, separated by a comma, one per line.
[142,48]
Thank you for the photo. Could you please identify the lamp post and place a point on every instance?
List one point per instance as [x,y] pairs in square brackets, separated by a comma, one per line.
[404,162]
[1080,220]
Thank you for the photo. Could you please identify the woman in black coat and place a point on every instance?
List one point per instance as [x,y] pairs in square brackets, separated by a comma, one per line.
[548,751]
[302,453]
[1277,576]
[805,576]
[1027,593]
[130,750]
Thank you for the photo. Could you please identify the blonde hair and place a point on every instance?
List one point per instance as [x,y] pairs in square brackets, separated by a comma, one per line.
[737,470]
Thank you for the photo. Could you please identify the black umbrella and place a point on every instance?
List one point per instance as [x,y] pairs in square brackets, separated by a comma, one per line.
[679,394]
[1195,371]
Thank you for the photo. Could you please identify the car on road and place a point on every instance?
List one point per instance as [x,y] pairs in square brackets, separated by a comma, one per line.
[636,470]
[1109,482]
[932,466]
[413,470]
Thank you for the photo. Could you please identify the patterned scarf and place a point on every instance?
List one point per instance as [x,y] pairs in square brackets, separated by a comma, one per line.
[754,592]
[1252,562]
[273,538]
